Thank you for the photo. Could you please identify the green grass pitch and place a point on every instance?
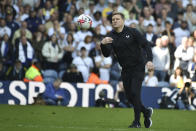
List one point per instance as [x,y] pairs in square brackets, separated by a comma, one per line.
[57,118]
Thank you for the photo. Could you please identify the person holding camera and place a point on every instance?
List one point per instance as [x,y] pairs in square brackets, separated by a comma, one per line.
[185,97]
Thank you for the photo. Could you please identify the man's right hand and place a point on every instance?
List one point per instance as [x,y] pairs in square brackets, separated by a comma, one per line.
[107,40]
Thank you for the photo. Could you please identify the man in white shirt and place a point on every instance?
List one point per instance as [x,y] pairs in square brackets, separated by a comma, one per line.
[4,29]
[104,64]
[83,63]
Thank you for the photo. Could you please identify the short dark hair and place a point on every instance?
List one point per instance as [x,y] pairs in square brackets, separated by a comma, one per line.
[118,13]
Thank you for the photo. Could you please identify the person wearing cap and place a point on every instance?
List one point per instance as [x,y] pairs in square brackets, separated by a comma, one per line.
[33,73]
[133,52]
[72,75]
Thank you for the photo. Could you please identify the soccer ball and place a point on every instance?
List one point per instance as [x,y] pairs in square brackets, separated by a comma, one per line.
[84,21]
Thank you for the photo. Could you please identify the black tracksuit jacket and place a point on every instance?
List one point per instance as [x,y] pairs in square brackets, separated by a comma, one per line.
[130,47]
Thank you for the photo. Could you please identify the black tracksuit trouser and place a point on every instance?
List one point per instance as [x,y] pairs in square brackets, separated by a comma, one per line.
[132,82]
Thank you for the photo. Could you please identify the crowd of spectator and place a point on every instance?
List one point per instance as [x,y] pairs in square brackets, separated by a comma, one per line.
[47,31]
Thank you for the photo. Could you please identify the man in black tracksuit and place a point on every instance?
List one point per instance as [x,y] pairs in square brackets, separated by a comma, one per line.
[129,46]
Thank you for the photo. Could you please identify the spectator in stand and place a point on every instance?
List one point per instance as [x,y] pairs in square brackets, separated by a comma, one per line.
[16,72]
[52,53]
[83,63]
[141,28]
[150,36]
[25,10]
[131,19]
[148,17]
[165,17]
[99,32]
[48,10]
[171,45]
[40,15]
[150,79]
[72,75]
[158,29]
[183,54]
[34,72]
[54,95]
[161,58]
[70,49]
[104,65]
[178,20]
[38,43]
[33,21]
[22,31]
[11,23]
[87,43]
[190,17]
[67,20]
[57,29]
[159,6]
[177,79]
[42,30]
[181,32]
[168,30]
[94,77]
[97,21]
[4,29]
[50,23]
[24,51]
[6,51]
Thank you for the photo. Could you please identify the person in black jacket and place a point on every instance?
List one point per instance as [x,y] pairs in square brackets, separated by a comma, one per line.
[72,75]
[133,53]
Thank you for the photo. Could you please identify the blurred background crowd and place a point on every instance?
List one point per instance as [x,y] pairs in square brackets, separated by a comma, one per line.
[40,40]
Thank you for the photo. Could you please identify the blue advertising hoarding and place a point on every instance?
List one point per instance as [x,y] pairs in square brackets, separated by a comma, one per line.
[81,94]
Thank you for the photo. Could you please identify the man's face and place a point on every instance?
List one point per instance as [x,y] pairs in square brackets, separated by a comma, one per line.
[83,53]
[57,84]
[117,21]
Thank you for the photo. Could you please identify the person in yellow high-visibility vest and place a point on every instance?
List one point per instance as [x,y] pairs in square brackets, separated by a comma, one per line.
[33,73]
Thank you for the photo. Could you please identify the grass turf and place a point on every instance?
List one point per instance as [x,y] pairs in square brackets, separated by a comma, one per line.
[56,118]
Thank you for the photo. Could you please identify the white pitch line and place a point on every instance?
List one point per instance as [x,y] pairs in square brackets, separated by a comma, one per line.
[73,127]
[76,127]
